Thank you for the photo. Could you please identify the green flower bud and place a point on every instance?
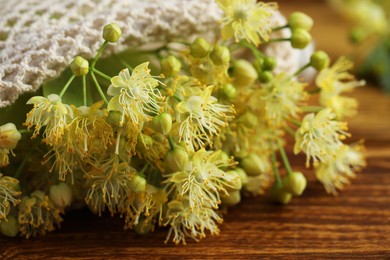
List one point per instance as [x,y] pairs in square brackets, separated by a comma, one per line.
[176,159]
[244,73]
[61,195]
[138,183]
[200,48]
[9,136]
[79,66]
[143,227]
[162,123]
[111,32]
[269,63]
[300,38]
[319,60]
[266,76]
[114,118]
[237,185]
[229,91]
[248,119]
[295,183]
[280,195]
[38,194]
[299,20]
[242,174]
[233,199]
[144,142]
[9,227]
[253,165]
[357,35]
[220,55]
[170,66]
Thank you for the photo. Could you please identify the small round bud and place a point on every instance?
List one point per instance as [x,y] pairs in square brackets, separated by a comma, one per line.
[111,32]
[162,123]
[144,142]
[295,183]
[237,184]
[229,91]
[200,48]
[61,195]
[176,159]
[266,76]
[138,183]
[114,118]
[253,165]
[244,73]
[243,175]
[300,38]
[299,20]
[278,194]
[79,66]
[233,199]
[170,66]
[319,60]
[357,35]
[220,55]
[269,63]
[9,227]
[9,136]
[248,119]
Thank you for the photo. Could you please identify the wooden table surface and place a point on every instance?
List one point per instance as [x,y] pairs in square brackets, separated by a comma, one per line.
[355,224]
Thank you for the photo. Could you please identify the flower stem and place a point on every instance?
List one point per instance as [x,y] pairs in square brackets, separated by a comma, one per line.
[257,53]
[99,89]
[66,86]
[285,159]
[279,40]
[312,108]
[314,91]
[295,122]
[21,166]
[84,91]
[290,131]
[280,27]
[171,144]
[275,169]
[101,74]
[100,51]
[301,69]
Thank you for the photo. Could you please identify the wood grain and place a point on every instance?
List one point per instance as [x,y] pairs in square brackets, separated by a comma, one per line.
[354,224]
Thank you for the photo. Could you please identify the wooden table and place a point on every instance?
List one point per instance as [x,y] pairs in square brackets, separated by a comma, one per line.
[316,225]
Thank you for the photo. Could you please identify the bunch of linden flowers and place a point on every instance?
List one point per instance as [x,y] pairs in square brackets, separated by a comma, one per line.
[176,149]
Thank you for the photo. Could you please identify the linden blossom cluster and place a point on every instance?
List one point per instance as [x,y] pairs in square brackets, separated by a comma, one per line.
[174,150]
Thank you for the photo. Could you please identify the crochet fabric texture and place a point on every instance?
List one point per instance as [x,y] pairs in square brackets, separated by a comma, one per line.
[38,39]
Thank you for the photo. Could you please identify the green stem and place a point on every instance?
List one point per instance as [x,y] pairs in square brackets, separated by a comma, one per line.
[275,169]
[99,89]
[290,131]
[84,91]
[171,143]
[295,122]
[257,53]
[301,69]
[279,40]
[314,91]
[24,131]
[66,86]
[312,109]
[280,27]
[285,159]
[100,51]
[21,166]
[101,74]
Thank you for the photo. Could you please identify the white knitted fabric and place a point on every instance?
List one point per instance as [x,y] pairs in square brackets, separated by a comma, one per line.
[39,38]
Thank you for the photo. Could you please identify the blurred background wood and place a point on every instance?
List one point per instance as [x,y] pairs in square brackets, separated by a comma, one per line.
[354,224]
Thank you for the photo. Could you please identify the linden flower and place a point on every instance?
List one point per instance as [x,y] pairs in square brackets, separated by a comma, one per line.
[202,179]
[135,95]
[190,222]
[9,136]
[246,20]
[318,136]
[201,118]
[335,80]
[51,113]
[9,190]
[336,172]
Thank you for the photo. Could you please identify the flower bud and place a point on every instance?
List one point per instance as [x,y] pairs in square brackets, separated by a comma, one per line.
[220,55]
[61,195]
[300,38]
[253,165]
[248,119]
[9,227]
[244,73]
[200,48]
[237,184]
[295,183]
[319,60]
[357,35]
[114,118]
[266,76]
[9,136]
[170,66]
[111,32]
[176,159]
[243,175]
[278,194]
[138,183]
[229,91]
[269,63]
[79,66]
[299,20]
[143,227]
[144,142]
[233,199]
[162,123]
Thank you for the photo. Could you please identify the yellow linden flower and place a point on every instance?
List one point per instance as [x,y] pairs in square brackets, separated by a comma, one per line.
[50,113]
[135,95]
[246,20]
[319,135]
[9,190]
[336,172]
[9,136]
[201,117]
